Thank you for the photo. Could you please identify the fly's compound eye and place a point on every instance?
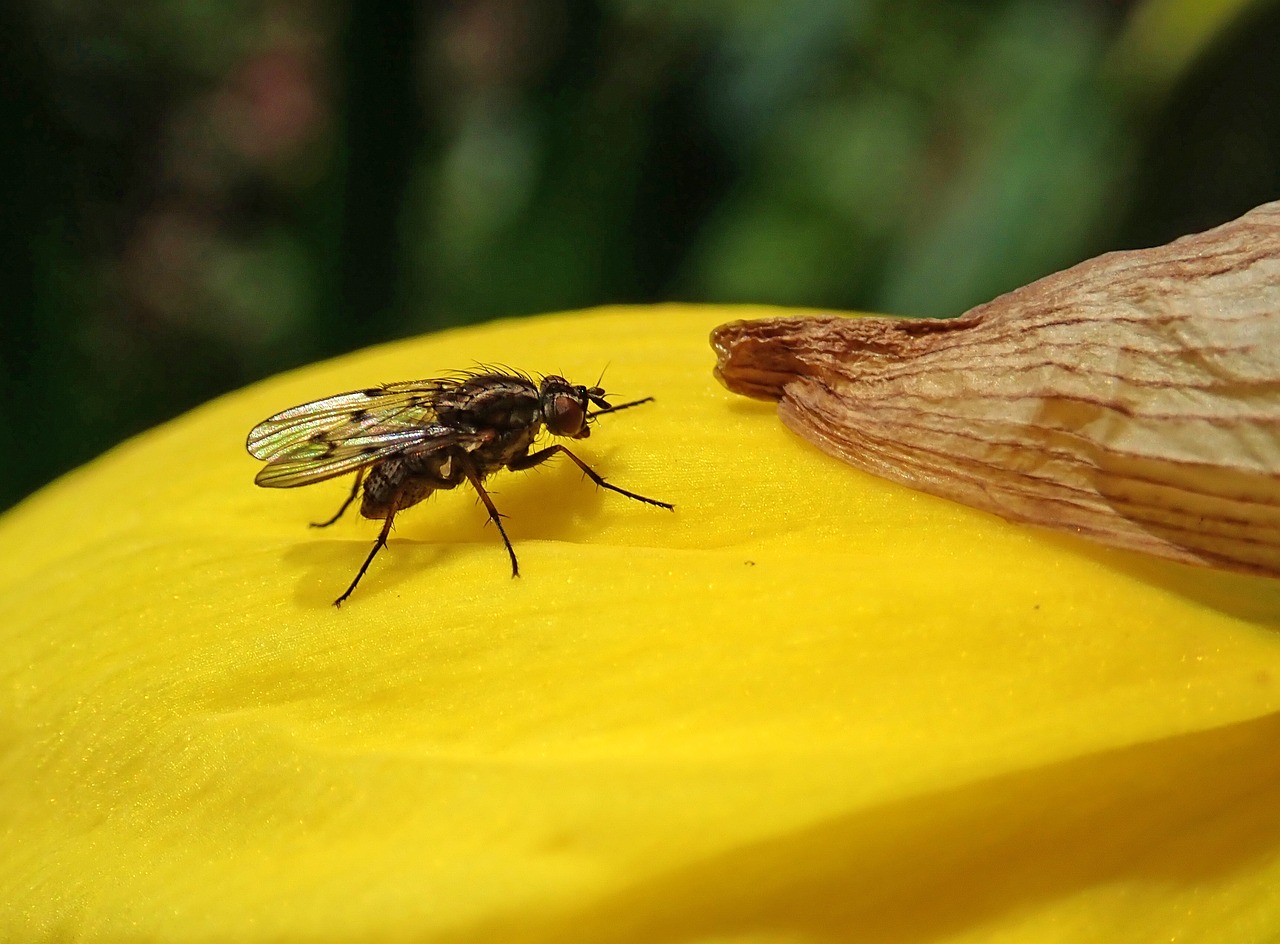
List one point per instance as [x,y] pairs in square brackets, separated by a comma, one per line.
[566,417]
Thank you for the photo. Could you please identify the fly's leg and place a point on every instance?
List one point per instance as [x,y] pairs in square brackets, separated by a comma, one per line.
[377,546]
[542,455]
[469,469]
[355,490]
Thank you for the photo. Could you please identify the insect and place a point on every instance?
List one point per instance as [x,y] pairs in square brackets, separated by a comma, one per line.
[405,440]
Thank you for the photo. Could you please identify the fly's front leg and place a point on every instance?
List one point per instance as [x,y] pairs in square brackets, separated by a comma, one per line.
[355,490]
[542,455]
[469,470]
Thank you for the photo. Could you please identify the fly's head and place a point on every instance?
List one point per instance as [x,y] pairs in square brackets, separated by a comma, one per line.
[565,406]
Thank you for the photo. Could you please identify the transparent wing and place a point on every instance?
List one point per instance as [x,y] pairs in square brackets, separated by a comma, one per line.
[315,462]
[339,434]
[392,409]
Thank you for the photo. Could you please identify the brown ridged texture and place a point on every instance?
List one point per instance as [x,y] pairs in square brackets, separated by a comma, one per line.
[1133,399]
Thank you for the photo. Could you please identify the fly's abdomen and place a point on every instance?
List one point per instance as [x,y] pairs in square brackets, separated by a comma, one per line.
[390,487]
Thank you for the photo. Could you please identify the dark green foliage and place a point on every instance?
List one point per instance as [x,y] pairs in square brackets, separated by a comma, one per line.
[197,195]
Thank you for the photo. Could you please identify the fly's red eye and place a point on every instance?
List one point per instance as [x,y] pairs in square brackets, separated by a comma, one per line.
[566,416]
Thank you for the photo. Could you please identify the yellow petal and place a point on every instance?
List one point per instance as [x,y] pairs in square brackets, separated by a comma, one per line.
[809,705]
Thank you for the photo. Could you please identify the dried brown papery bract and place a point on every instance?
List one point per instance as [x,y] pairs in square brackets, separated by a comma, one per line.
[1133,399]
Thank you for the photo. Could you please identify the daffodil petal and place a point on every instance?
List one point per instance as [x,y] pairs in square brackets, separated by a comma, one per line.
[808,705]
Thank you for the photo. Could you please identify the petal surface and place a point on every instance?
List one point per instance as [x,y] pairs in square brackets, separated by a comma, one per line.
[808,705]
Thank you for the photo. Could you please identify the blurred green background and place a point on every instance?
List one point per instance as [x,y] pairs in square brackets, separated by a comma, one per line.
[199,194]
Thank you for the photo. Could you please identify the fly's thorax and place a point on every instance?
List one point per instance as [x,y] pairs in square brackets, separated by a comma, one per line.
[503,449]
[490,401]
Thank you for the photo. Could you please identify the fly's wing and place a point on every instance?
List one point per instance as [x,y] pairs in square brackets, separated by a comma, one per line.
[330,437]
[394,407]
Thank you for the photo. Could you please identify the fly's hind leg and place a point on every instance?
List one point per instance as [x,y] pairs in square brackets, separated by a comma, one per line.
[377,546]
[355,490]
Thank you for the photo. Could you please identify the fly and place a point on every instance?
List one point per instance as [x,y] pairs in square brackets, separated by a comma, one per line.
[406,440]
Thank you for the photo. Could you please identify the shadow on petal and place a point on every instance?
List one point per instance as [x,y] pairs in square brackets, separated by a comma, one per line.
[1181,811]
